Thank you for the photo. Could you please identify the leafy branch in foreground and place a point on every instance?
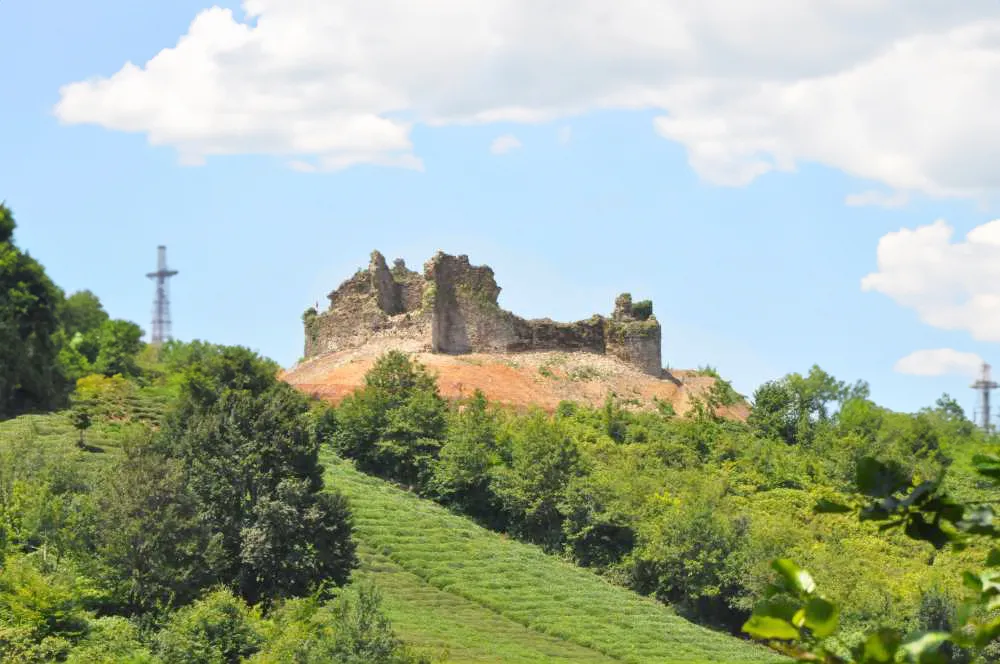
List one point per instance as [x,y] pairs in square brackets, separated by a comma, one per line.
[796,619]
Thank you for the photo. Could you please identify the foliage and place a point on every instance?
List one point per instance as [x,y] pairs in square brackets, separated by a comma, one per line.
[112,640]
[82,313]
[30,376]
[118,342]
[531,485]
[218,629]
[42,612]
[642,309]
[107,397]
[889,495]
[149,535]
[393,426]
[248,447]
[468,454]
[352,630]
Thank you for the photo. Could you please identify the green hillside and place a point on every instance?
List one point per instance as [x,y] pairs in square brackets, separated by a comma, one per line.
[450,585]
[454,589]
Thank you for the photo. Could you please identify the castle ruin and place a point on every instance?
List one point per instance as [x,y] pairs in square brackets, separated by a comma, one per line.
[452,308]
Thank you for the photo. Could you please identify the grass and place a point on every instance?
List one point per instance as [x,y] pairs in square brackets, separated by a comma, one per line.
[452,586]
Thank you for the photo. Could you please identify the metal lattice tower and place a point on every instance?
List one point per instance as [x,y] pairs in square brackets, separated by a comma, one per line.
[161,305]
[984,386]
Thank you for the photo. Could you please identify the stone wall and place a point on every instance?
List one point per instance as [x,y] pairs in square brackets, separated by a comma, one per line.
[453,308]
[375,303]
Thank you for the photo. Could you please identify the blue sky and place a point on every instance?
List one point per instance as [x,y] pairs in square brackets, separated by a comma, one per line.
[756,274]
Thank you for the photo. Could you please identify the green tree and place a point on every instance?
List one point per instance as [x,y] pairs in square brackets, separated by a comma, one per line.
[119,342]
[42,612]
[464,467]
[81,416]
[155,550]
[541,460]
[393,426]
[29,305]
[249,448]
[218,629]
[82,312]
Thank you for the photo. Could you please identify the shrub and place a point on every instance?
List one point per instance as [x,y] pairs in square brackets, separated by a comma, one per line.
[218,629]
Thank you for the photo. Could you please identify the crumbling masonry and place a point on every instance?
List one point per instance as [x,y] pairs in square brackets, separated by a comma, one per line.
[452,308]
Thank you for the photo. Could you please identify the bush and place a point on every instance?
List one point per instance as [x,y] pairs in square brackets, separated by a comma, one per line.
[218,629]
[350,630]
[642,309]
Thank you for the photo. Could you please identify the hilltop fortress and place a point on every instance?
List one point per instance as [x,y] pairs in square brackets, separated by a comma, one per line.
[451,308]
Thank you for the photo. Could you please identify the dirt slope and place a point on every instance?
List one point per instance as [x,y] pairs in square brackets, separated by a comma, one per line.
[519,380]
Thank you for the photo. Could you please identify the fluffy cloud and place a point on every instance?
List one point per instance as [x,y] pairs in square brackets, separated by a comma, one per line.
[951,285]
[504,144]
[897,92]
[940,362]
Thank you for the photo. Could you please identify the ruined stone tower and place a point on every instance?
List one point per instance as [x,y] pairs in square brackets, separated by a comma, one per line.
[452,308]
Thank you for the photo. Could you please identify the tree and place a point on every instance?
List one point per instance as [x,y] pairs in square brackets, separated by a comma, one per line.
[393,426]
[82,312]
[542,460]
[773,413]
[81,417]
[349,630]
[464,467]
[156,551]
[249,447]
[29,304]
[119,342]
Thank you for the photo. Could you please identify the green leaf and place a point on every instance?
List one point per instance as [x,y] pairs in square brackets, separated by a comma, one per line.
[821,616]
[880,480]
[880,646]
[988,632]
[824,506]
[972,581]
[987,465]
[924,649]
[993,559]
[767,627]
[795,577]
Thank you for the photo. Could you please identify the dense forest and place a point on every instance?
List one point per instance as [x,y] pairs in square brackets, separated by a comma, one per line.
[190,521]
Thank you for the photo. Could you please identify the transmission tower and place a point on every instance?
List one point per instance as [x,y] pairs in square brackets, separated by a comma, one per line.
[984,386]
[161,305]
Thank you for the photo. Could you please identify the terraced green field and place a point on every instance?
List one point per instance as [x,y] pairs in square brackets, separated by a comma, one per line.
[453,587]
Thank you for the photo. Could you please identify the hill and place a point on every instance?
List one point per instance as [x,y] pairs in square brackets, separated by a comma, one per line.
[519,380]
[452,585]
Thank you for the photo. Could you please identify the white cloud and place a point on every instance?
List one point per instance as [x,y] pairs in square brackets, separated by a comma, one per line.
[939,362]
[897,92]
[951,285]
[877,198]
[504,144]
[565,134]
